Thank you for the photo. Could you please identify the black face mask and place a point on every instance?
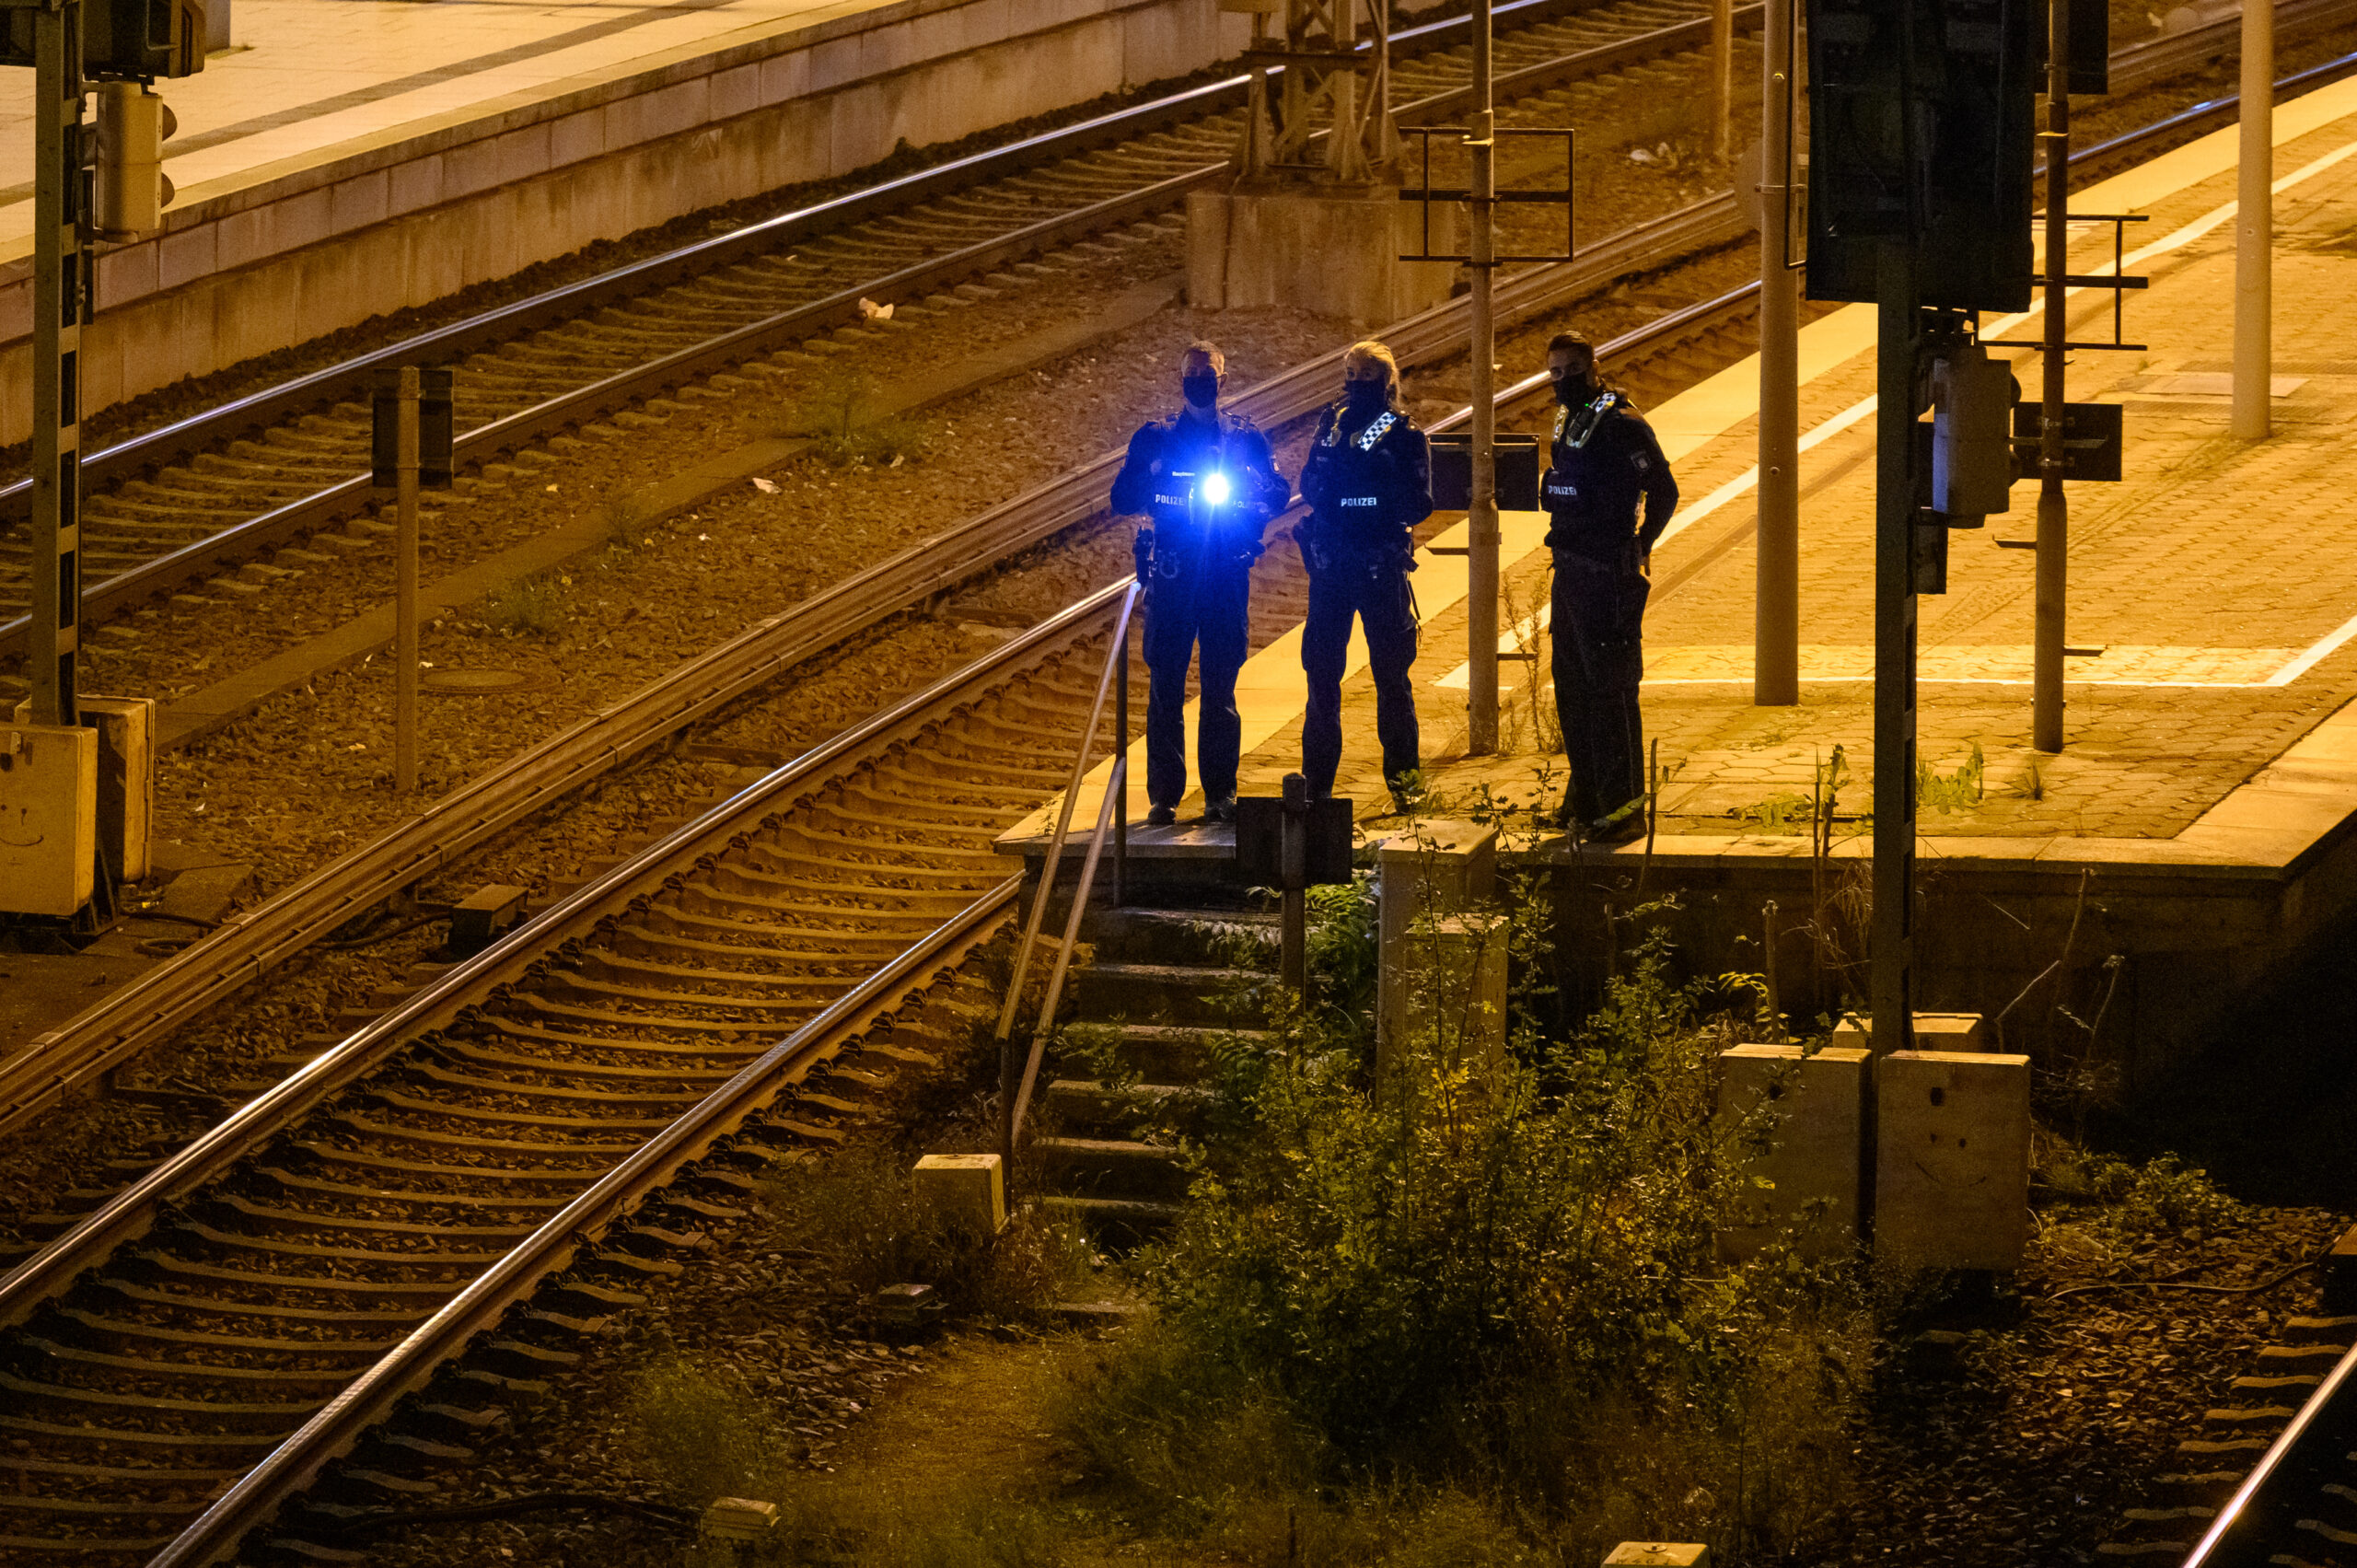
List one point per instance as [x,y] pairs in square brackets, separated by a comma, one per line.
[1367,397]
[1572,390]
[1201,391]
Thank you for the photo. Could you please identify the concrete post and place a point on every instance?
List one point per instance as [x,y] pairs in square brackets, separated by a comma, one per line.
[1453,986]
[1437,870]
[968,1191]
[2255,227]
[1815,1157]
[1952,1159]
[1776,627]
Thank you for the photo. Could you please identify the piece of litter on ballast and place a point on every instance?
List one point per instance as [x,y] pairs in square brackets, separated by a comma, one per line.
[871,311]
[766,486]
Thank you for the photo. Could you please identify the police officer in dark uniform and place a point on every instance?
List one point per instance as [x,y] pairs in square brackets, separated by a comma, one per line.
[1368,481]
[1604,457]
[1208,486]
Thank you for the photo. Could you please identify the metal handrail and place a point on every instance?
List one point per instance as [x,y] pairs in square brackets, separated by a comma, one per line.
[1114,661]
[1115,786]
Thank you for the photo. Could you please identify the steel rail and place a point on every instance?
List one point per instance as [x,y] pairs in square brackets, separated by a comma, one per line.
[251,946]
[294,1465]
[71,1058]
[166,997]
[1740,298]
[323,508]
[2244,1534]
[2137,65]
[285,525]
[130,1214]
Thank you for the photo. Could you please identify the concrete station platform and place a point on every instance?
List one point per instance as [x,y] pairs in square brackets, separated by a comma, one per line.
[2198,823]
[345,158]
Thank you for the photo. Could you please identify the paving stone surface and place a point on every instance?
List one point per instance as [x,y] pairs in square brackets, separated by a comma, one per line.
[2207,590]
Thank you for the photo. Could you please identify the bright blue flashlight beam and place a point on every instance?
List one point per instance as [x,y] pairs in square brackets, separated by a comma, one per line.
[1215,489]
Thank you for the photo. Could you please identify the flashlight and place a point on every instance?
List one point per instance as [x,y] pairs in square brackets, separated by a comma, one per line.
[1214,490]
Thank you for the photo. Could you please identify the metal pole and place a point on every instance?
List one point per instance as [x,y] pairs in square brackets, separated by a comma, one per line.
[405,590]
[1894,908]
[1121,749]
[60,296]
[1293,855]
[2255,227]
[1481,557]
[1722,77]
[2053,510]
[1776,615]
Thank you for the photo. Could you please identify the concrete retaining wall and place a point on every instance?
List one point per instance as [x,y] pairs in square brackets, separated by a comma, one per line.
[306,246]
[2199,944]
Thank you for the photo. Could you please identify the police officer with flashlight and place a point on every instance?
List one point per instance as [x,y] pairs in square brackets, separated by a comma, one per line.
[1602,459]
[1368,481]
[1207,485]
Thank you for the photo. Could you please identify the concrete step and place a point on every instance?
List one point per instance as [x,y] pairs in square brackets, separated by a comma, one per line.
[1243,938]
[1164,1053]
[1112,1167]
[1115,1221]
[1086,1106]
[1181,994]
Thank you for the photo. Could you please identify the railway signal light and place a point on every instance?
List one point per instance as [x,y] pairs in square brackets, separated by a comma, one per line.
[132,191]
[139,41]
[436,429]
[1921,115]
[1972,458]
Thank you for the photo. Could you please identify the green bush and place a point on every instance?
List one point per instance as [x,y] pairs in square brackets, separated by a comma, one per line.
[533,607]
[697,1434]
[2166,1194]
[1499,1308]
[837,414]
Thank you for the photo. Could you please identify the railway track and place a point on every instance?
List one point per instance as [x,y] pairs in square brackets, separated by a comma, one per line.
[68,1060]
[149,1008]
[239,1292]
[179,505]
[2297,1503]
[525,1074]
[219,492]
[429,1172]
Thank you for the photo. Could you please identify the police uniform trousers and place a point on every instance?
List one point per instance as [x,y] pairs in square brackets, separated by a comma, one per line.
[1599,626]
[1200,603]
[1379,597]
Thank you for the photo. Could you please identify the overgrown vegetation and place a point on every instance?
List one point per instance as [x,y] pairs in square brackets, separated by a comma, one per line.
[1478,1318]
[529,607]
[838,414]
[1959,791]
[698,1434]
[859,1212]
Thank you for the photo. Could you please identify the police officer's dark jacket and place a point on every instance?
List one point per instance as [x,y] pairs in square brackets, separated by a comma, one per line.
[1186,450]
[1603,455]
[1366,484]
